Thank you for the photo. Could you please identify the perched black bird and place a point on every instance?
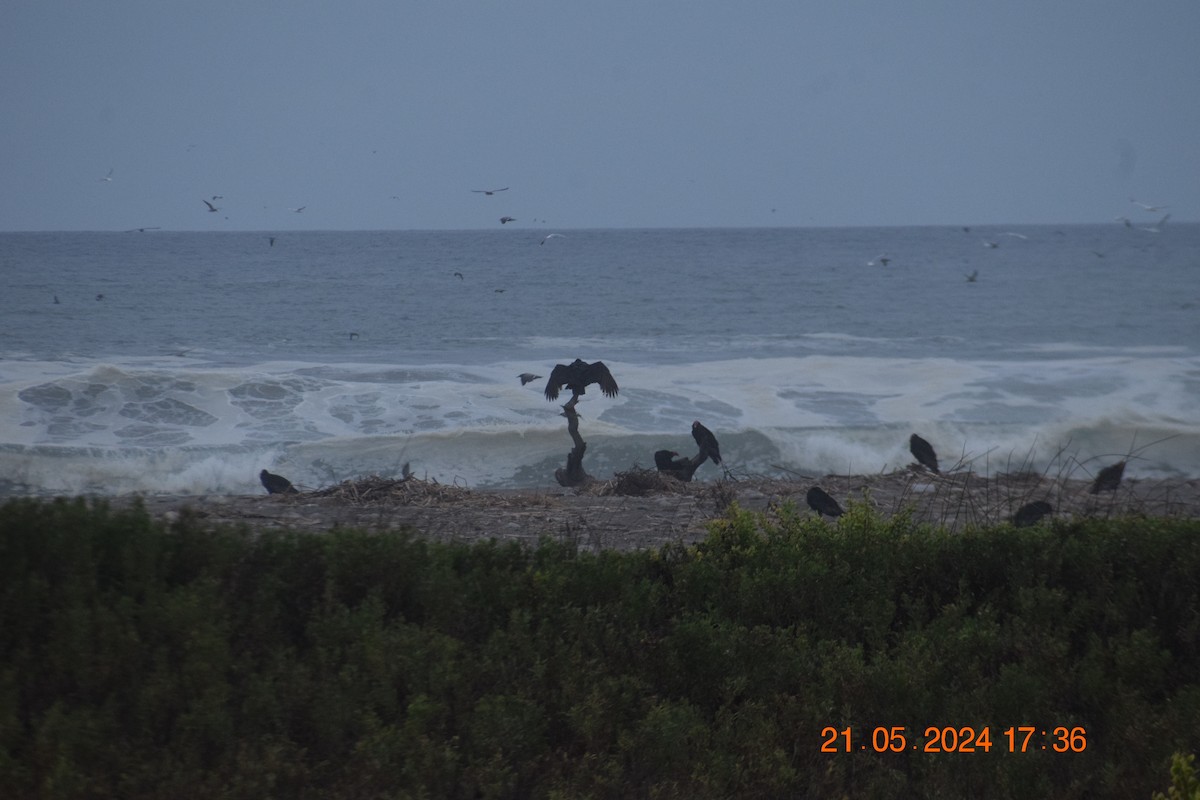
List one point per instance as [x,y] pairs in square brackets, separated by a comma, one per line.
[820,502]
[526,377]
[665,459]
[276,484]
[1108,479]
[577,375]
[707,442]
[923,452]
[1031,514]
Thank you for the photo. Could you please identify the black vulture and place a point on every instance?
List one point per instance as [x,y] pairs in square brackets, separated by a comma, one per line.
[664,459]
[707,442]
[1031,514]
[526,377]
[923,452]
[276,484]
[1108,479]
[820,502]
[577,375]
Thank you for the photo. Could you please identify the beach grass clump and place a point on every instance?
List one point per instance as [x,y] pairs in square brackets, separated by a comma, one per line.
[145,660]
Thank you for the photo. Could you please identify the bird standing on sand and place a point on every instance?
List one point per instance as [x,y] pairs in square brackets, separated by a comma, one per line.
[923,452]
[706,441]
[821,502]
[1108,478]
[1031,514]
[578,375]
[276,484]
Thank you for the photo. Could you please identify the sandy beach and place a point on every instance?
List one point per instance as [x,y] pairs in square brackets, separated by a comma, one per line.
[640,509]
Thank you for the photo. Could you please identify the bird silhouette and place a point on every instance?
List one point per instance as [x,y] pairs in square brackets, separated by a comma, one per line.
[527,377]
[276,484]
[923,452]
[506,220]
[211,208]
[489,192]
[1031,514]
[706,441]
[821,502]
[578,375]
[1108,479]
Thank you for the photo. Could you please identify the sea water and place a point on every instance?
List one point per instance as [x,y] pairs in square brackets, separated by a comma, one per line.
[186,362]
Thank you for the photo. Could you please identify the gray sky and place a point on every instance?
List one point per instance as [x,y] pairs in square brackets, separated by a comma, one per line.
[383,114]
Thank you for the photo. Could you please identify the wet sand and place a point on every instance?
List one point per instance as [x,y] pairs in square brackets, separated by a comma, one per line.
[643,509]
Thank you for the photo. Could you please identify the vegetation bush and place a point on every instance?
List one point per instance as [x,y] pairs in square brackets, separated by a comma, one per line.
[142,660]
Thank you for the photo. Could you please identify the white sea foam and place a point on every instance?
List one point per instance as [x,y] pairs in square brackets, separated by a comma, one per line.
[172,426]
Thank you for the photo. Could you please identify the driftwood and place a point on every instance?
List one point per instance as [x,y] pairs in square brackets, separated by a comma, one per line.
[573,474]
[685,468]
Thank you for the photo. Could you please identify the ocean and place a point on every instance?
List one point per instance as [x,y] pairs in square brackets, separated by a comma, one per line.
[185,362]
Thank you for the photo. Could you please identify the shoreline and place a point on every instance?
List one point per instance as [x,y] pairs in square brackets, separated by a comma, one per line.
[642,509]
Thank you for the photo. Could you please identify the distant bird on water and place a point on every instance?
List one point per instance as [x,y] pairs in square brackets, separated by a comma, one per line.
[271,239]
[506,220]
[923,452]
[1031,514]
[459,275]
[706,441]
[55,299]
[276,484]
[527,377]
[578,375]
[882,258]
[489,192]
[820,502]
[1108,478]
[211,208]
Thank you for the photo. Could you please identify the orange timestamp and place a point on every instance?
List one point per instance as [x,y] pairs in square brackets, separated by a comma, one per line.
[950,739]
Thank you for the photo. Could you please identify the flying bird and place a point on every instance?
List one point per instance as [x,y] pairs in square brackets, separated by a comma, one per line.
[1031,514]
[882,258]
[527,377]
[974,276]
[552,236]
[506,220]
[820,502]
[1108,479]
[271,239]
[577,376]
[1146,207]
[458,275]
[212,209]
[107,178]
[298,210]
[707,442]
[1156,227]
[276,484]
[1017,235]
[923,452]
[489,192]
[991,245]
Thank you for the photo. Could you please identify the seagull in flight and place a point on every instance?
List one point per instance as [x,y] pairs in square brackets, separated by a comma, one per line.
[552,236]
[1158,226]
[506,220]
[107,178]
[489,192]
[991,245]
[298,210]
[211,207]
[1017,235]
[974,276]
[1150,208]
[882,258]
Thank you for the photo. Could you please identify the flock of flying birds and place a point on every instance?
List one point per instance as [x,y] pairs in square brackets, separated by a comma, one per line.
[579,374]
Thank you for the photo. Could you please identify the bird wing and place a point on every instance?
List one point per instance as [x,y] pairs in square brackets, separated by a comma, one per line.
[211,207]
[597,372]
[558,377]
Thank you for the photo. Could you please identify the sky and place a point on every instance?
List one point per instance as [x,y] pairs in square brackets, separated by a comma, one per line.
[387,114]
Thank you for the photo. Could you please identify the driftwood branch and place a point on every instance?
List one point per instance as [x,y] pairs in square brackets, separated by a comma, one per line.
[573,474]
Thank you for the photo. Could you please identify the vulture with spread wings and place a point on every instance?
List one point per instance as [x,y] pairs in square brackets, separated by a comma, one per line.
[578,375]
